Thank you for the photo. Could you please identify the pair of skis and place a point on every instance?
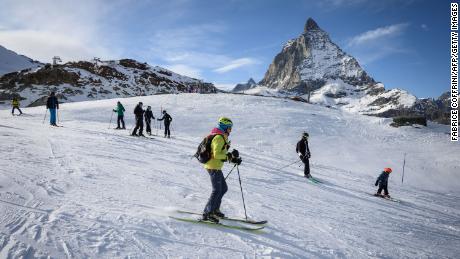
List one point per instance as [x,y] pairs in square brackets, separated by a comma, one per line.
[252,225]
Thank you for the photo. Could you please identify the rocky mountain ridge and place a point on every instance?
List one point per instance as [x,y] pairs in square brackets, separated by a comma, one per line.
[84,80]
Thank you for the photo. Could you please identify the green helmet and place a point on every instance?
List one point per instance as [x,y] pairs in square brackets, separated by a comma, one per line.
[305,135]
[225,123]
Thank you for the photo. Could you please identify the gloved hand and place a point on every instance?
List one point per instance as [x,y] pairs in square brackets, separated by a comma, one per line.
[114,110]
[237,160]
[376,183]
[308,155]
[300,156]
[229,157]
[235,153]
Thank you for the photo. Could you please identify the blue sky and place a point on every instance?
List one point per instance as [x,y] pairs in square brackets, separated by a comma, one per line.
[404,44]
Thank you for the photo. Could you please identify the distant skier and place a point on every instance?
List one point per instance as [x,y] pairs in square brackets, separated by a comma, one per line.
[148,119]
[219,154]
[382,182]
[304,153]
[15,104]
[120,110]
[167,118]
[52,104]
[139,112]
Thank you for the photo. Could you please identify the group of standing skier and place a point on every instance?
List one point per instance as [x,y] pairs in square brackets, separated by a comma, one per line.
[147,115]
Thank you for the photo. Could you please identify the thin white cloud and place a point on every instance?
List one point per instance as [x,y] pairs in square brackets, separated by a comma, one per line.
[185,70]
[42,29]
[194,48]
[234,64]
[372,36]
[424,27]
[377,44]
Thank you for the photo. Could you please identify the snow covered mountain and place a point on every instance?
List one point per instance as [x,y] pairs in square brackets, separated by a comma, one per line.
[86,191]
[315,67]
[243,87]
[83,80]
[10,61]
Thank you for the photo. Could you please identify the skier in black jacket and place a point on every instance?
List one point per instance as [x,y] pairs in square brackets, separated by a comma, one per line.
[167,118]
[148,117]
[304,153]
[139,112]
[382,182]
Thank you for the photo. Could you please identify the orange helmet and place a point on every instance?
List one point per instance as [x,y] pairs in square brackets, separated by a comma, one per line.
[388,170]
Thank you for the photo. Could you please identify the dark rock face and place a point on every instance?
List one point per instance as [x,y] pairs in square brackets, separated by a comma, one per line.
[87,80]
[243,87]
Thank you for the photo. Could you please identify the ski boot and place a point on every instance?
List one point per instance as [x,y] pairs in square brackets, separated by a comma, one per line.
[218,214]
[210,217]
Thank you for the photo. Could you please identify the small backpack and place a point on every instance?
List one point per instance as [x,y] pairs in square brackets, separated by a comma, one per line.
[203,152]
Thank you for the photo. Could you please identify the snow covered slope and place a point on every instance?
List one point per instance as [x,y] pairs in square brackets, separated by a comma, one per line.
[10,61]
[86,191]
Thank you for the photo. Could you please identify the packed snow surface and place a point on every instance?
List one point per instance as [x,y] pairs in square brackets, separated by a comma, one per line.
[88,191]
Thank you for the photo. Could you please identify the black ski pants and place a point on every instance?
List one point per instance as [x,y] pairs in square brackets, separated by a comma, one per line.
[148,129]
[306,170]
[219,188]
[120,119]
[15,107]
[383,187]
[167,131]
[139,125]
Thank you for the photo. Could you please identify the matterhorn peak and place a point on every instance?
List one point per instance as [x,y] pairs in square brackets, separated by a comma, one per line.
[311,25]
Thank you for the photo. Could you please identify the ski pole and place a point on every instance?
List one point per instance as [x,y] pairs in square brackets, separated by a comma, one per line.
[242,196]
[288,165]
[44,118]
[110,123]
[230,172]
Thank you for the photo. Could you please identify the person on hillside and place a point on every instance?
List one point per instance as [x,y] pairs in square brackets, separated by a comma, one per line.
[148,119]
[120,110]
[139,113]
[167,118]
[219,154]
[382,182]
[304,153]
[52,104]
[15,104]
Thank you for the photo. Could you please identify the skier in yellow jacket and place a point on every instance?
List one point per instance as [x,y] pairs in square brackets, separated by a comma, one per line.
[15,104]
[219,155]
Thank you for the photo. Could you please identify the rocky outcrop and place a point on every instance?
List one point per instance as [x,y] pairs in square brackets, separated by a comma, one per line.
[243,87]
[83,80]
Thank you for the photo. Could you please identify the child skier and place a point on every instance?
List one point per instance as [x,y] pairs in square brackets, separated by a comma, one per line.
[382,182]
[15,104]
[148,119]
